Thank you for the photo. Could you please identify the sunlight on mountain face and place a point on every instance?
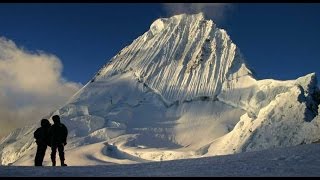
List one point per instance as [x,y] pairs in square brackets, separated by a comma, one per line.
[180,90]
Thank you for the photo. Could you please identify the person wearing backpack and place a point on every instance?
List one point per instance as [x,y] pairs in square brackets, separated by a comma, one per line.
[58,133]
[43,140]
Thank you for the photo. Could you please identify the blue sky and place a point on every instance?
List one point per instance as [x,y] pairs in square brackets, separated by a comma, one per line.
[279,41]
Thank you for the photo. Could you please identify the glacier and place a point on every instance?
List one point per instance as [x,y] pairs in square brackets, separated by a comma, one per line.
[180,90]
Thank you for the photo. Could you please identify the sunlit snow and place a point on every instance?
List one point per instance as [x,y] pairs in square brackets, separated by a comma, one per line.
[181,90]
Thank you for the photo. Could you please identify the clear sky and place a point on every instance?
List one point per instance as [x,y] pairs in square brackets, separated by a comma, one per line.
[49,51]
[279,41]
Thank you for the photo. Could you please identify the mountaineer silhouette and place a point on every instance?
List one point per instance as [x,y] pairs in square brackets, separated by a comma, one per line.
[58,133]
[43,140]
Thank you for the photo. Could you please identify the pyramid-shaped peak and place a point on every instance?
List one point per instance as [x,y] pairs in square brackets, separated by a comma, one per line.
[183,74]
[199,55]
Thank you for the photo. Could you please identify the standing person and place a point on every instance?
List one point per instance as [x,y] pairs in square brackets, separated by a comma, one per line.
[58,133]
[42,139]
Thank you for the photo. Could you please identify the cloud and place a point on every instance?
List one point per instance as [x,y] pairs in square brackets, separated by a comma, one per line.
[215,11]
[31,86]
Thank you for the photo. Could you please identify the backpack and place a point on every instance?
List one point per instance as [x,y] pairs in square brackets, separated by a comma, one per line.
[37,134]
[42,136]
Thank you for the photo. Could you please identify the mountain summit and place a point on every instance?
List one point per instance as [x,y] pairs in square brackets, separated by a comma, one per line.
[182,58]
[180,90]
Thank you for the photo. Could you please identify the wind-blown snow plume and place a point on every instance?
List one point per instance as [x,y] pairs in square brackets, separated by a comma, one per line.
[31,86]
[215,11]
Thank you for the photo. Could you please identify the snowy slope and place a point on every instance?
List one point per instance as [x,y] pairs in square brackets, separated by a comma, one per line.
[181,58]
[298,161]
[180,90]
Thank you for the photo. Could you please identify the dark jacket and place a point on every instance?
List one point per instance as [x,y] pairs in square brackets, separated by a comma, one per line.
[42,135]
[58,133]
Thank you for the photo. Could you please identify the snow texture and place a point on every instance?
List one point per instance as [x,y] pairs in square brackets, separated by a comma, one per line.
[298,161]
[181,90]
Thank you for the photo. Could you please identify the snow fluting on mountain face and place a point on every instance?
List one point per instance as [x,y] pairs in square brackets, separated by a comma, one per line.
[180,90]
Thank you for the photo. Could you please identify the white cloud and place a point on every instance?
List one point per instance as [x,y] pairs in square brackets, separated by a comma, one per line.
[31,86]
[215,11]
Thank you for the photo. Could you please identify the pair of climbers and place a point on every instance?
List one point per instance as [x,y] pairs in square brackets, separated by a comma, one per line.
[54,136]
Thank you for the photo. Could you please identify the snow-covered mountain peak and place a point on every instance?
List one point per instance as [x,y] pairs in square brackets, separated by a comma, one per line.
[182,57]
[180,90]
